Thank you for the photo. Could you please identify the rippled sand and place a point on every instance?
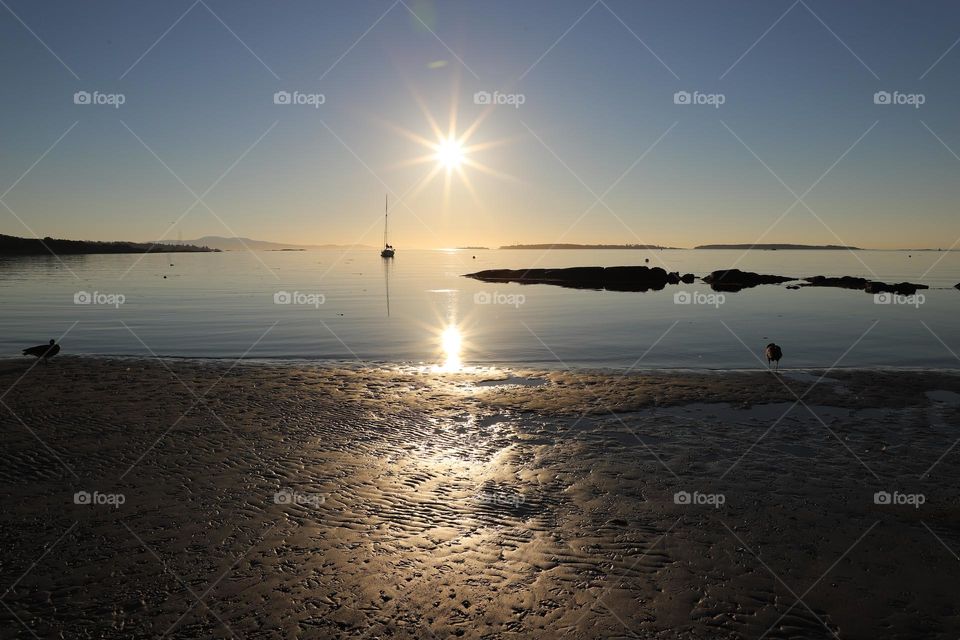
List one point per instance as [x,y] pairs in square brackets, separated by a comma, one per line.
[276,501]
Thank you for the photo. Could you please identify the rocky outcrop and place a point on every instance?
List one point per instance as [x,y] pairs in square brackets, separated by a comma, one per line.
[609,278]
[735,280]
[862,284]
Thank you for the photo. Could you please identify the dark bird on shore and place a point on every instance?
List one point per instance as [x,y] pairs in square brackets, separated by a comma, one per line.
[43,350]
[773,353]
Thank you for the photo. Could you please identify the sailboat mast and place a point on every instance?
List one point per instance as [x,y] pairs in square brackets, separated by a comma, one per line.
[386,218]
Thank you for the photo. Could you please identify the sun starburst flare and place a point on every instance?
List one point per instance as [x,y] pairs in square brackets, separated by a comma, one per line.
[451,153]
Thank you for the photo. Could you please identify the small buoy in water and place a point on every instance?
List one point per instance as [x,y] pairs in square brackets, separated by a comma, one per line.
[474,257]
[164,277]
[646,259]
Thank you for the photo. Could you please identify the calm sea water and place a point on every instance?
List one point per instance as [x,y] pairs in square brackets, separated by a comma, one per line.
[418,308]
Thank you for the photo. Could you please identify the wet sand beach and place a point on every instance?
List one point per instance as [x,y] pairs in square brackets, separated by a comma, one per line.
[144,498]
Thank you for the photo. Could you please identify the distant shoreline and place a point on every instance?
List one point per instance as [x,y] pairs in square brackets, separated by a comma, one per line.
[14,246]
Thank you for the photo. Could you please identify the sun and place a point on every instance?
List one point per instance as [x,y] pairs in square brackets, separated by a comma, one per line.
[450,153]
[451,150]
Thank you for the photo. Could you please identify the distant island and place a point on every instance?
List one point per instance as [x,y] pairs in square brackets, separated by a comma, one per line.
[586,246]
[249,244]
[785,247]
[474,248]
[14,246]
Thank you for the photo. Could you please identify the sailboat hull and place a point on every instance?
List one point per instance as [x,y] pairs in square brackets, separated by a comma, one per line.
[386,253]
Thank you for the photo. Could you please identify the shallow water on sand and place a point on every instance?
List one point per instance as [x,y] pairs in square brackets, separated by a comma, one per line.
[354,305]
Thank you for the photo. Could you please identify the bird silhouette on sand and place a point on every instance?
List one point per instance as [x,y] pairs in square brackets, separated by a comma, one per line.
[43,351]
[773,353]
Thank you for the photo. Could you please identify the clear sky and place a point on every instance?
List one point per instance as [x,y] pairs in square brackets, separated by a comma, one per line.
[598,151]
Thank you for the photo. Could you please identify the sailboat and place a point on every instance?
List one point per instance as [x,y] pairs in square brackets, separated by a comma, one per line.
[388,250]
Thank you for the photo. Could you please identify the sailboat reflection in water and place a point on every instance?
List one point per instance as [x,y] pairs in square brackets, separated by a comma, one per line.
[388,250]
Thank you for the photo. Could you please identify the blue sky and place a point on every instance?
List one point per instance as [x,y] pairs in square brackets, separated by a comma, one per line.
[597,152]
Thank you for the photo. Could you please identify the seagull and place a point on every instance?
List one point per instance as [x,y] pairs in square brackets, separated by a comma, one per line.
[43,351]
[773,353]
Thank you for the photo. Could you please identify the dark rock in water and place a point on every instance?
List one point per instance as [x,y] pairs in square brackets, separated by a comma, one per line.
[957,286]
[735,280]
[901,288]
[609,278]
[793,286]
[870,286]
[688,278]
[846,282]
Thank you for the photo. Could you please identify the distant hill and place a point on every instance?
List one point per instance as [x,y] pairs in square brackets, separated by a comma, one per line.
[243,244]
[585,246]
[14,246]
[785,247]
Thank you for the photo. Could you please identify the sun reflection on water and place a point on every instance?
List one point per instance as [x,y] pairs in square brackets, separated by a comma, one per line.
[451,341]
